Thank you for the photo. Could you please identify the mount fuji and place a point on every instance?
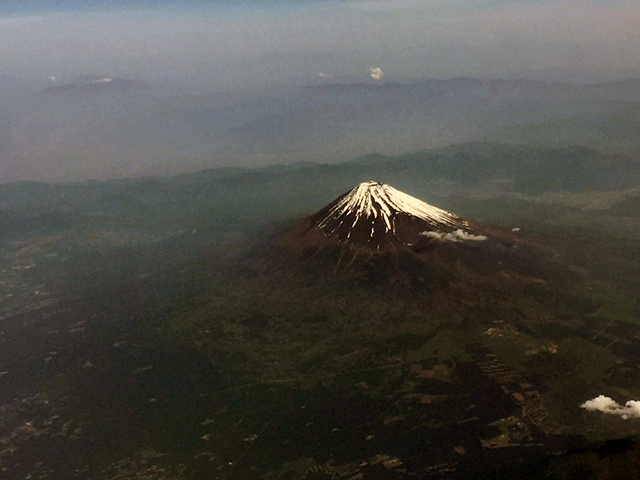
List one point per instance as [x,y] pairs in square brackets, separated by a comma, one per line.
[376,217]
[376,233]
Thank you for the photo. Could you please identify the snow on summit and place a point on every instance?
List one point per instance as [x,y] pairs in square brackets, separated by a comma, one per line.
[372,200]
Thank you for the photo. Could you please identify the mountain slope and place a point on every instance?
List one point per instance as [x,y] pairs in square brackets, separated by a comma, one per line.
[377,235]
[378,217]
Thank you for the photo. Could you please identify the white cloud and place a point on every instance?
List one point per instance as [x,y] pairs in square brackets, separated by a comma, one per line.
[376,73]
[457,236]
[607,405]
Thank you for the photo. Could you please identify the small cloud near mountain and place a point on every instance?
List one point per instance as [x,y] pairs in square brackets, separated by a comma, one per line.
[456,236]
[376,73]
[607,405]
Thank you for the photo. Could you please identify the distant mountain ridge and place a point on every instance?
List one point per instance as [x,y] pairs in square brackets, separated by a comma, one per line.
[135,129]
[524,169]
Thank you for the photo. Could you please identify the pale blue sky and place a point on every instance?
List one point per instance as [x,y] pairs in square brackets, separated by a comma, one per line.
[225,44]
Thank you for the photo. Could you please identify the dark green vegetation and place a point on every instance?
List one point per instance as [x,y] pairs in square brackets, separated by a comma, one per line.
[145,335]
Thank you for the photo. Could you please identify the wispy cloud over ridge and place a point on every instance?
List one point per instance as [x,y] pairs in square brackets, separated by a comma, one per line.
[456,236]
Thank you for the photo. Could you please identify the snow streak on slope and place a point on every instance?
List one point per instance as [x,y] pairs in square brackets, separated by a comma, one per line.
[371,200]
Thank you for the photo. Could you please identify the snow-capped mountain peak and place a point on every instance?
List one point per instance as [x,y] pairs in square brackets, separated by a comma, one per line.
[372,200]
[380,234]
[375,217]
